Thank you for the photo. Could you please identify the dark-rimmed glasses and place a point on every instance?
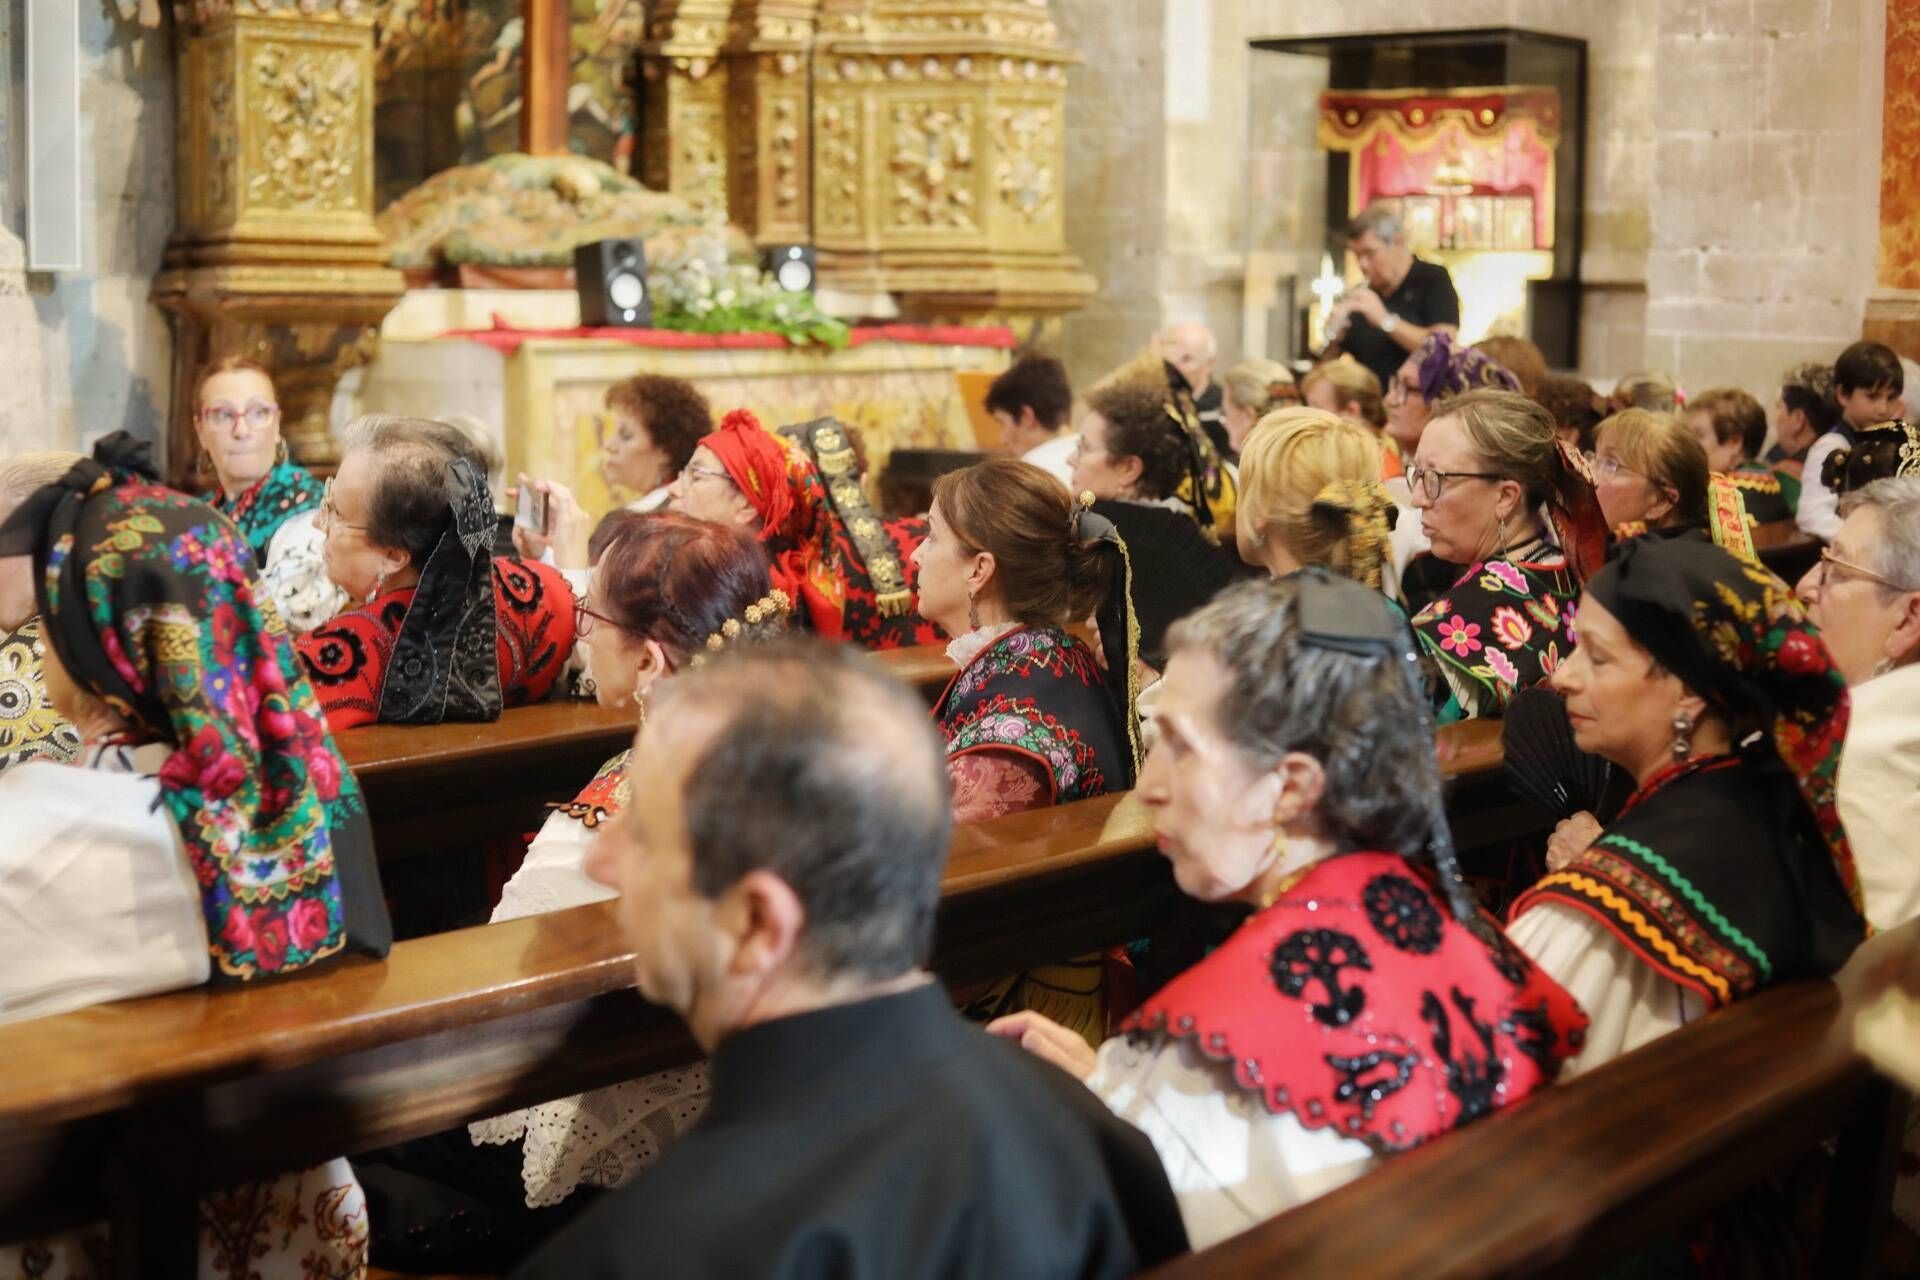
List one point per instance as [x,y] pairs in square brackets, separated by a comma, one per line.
[1432,482]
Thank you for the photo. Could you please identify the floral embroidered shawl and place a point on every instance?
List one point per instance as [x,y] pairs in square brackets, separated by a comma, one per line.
[153,603]
[270,502]
[1505,625]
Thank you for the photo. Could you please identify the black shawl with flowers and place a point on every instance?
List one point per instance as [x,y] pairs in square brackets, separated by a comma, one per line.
[152,602]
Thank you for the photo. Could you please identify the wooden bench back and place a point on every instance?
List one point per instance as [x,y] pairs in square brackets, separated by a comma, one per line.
[1645,1144]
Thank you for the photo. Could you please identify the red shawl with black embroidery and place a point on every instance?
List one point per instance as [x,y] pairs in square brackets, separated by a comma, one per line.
[1357,1002]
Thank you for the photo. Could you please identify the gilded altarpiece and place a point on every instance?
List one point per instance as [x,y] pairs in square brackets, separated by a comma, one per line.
[939,154]
[275,255]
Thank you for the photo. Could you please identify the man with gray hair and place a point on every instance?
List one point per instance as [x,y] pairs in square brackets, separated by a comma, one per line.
[779,870]
[1190,348]
[1405,300]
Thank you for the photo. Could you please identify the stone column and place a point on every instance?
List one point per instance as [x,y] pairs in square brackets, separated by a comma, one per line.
[683,102]
[769,143]
[275,256]
[939,153]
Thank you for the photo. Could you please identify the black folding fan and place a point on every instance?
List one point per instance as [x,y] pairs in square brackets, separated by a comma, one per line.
[1542,761]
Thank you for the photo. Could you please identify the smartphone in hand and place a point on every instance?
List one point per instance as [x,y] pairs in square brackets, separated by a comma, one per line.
[533,511]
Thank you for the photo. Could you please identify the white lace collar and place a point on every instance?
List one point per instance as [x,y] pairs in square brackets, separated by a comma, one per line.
[964,649]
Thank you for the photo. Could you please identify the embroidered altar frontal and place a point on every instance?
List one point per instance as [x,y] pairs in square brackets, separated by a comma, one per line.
[545,397]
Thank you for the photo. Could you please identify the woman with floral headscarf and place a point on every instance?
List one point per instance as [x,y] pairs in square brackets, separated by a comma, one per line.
[212,832]
[1728,870]
[849,573]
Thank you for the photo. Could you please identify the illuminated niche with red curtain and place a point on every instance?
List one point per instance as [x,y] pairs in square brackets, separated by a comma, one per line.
[1468,169]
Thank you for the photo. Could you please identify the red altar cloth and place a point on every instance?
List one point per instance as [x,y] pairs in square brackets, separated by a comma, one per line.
[506,339]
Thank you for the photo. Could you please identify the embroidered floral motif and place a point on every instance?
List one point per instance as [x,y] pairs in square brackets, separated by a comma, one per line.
[1509,628]
[1037,691]
[1319,955]
[1387,1043]
[277,497]
[1402,913]
[1498,575]
[1503,669]
[1459,636]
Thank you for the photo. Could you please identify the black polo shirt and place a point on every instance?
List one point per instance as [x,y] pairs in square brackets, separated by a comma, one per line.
[1426,297]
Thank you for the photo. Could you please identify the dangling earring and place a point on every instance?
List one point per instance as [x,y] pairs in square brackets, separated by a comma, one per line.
[640,712]
[1682,735]
[280,453]
[379,587]
[973,612]
[1503,534]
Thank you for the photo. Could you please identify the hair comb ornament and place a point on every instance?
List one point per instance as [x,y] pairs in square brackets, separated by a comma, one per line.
[768,613]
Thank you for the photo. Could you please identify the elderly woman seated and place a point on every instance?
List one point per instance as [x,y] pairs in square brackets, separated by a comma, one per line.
[1501,498]
[1366,1006]
[447,631]
[1865,595]
[1727,870]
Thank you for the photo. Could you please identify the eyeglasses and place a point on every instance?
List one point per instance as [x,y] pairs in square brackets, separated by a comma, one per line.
[1830,562]
[329,515]
[581,616]
[1397,392]
[710,473]
[1610,467]
[259,416]
[1432,482]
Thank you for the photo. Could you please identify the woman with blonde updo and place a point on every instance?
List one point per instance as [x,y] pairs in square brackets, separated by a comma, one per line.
[1253,389]
[1311,495]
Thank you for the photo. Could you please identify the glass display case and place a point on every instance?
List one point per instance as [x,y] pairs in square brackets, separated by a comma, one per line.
[1476,138]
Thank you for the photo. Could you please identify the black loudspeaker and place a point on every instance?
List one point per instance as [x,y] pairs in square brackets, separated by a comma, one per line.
[791,266]
[611,276]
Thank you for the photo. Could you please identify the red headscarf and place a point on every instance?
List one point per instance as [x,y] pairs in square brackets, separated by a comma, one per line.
[758,462]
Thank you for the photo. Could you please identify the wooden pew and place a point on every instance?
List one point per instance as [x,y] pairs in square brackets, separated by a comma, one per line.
[1786,550]
[156,1099]
[1648,1143]
[131,1108]
[431,788]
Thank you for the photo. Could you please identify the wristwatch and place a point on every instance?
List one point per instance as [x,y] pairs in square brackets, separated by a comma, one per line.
[1389,324]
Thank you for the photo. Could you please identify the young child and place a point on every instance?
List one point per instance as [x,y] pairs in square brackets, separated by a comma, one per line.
[1867,382]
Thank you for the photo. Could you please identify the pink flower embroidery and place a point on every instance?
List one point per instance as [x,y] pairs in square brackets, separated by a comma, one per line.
[1457,636]
[308,924]
[1508,673]
[1550,660]
[1500,575]
[1509,628]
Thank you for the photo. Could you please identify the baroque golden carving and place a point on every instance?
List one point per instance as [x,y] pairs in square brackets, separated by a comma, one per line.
[1026,140]
[932,162]
[837,177]
[307,155]
[276,255]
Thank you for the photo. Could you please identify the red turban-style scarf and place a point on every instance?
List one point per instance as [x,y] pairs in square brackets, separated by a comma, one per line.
[757,461]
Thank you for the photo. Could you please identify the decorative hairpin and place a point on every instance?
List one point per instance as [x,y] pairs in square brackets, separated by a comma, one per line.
[775,604]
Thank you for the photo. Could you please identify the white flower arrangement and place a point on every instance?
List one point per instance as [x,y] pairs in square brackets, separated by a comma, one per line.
[698,290]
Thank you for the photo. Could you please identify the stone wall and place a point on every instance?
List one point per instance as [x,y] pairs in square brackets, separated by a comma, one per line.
[86,352]
[1232,194]
[1765,222]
